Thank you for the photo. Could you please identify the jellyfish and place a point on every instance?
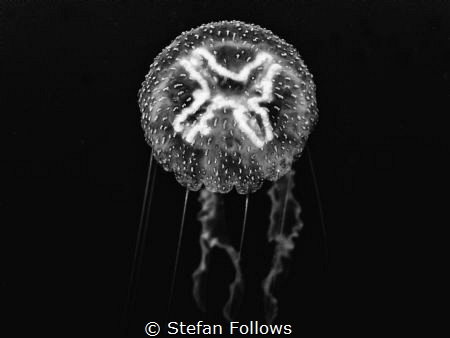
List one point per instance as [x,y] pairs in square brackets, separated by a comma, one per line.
[227,106]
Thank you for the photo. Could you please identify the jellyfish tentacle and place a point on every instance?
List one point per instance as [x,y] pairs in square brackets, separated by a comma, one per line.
[319,206]
[140,240]
[283,239]
[211,218]
[244,223]
[177,254]
[285,200]
[237,286]
[213,234]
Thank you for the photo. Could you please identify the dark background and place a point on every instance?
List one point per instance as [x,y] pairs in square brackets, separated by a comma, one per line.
[74,165]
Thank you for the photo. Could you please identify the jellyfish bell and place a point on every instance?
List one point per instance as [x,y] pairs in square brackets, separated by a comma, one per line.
[227,104]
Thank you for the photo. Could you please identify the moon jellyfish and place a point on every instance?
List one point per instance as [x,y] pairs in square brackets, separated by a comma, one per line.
[226,106]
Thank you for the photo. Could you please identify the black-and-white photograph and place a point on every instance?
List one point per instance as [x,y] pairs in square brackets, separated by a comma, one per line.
[222,167]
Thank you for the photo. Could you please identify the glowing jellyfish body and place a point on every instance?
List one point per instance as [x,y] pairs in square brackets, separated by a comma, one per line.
[226,105]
